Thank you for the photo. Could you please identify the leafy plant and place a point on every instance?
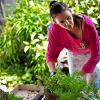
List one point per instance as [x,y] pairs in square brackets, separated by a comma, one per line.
[13,97]
[24,38]
[70,87]
[8,96]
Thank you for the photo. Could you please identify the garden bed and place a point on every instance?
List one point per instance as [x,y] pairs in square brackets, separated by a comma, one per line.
[28,91]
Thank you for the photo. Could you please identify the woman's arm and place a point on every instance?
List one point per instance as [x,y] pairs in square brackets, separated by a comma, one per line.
[51,66]
[52,50]
[94,47]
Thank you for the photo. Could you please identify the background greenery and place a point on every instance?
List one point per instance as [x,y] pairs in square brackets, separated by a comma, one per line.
[24,40]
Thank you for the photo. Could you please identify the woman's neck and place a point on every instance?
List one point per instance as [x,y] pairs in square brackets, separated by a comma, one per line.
[76,32]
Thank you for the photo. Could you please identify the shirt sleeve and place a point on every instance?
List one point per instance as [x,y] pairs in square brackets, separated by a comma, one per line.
[94,47]
[53,49]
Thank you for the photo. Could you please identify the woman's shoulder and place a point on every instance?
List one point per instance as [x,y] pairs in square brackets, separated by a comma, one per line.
[53,28]
[88,21]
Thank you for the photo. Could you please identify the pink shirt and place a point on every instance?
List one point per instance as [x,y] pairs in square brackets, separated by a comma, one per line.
[59,38]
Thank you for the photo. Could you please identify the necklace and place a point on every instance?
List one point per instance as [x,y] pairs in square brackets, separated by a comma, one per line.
[83,45]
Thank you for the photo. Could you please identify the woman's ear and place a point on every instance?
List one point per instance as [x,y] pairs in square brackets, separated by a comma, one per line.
[53,21]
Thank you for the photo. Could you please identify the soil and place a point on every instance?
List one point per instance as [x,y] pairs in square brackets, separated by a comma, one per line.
[50,96]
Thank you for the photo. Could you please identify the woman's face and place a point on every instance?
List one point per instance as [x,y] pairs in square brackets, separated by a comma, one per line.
[65,20]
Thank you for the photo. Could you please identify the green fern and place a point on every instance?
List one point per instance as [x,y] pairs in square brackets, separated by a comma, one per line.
[70,87]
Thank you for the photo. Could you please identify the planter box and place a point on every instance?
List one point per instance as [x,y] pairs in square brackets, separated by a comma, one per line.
[28,91]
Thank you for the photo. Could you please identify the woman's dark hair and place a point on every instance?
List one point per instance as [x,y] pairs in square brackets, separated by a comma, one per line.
[57,7]
[77,20]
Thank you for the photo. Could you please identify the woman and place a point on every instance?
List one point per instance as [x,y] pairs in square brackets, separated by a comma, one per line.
[78,35]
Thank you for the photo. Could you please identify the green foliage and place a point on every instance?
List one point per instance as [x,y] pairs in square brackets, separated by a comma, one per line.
[9,45]
[24,37]
[24,40]
[8,96]
[70,87]
[13,97]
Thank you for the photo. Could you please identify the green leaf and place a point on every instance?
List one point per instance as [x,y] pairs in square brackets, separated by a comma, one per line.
[26,48]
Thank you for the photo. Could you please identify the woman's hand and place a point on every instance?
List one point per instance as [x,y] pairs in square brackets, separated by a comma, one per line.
[52,73]
[88,77]
[82,73]
[52,69]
